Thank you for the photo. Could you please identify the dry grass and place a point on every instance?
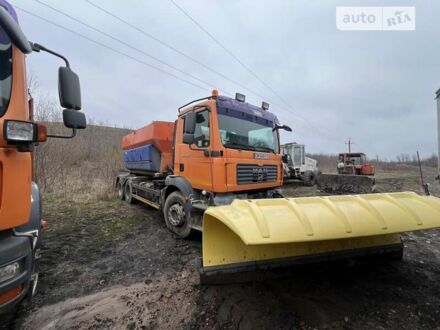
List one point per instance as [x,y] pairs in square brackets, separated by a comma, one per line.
[80,168]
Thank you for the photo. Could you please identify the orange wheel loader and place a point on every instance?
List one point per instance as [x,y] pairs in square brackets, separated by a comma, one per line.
[20,203]
[354,163]
[218,169]
[355,175]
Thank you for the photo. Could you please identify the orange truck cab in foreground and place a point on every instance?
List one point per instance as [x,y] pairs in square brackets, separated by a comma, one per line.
[20,203]
[219,149]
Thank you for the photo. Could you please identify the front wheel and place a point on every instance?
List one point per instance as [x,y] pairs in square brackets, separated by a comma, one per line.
[176,214]
[310,179]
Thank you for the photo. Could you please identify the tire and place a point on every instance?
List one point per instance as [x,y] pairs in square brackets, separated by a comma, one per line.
[310,179]
[121,193]
[177,215]
[128,192]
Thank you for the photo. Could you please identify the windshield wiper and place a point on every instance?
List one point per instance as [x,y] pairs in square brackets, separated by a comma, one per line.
[241,145]
[266,148]
[248,147]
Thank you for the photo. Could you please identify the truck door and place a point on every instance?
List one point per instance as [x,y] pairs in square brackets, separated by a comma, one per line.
[194,162]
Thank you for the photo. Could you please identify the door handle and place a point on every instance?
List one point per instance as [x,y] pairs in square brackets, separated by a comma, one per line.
[213,153]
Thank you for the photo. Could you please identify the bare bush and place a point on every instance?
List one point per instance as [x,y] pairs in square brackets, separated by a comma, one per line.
[84,165]
[326,163]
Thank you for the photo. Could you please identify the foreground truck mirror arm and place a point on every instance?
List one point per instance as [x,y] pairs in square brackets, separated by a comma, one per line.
[74,120]
[69,89]
[69,92]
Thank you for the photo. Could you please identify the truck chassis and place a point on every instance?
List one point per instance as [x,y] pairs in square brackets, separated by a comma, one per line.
[181,205]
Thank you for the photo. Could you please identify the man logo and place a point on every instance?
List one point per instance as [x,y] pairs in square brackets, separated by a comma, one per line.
[259,173]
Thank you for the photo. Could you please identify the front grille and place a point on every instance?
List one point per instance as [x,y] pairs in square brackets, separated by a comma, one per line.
[250,173]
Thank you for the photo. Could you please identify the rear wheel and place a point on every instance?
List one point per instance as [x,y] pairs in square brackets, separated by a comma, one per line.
[121,194]
[176,214]
[128,193]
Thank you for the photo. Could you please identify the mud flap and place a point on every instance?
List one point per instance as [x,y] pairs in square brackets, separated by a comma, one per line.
[269,232]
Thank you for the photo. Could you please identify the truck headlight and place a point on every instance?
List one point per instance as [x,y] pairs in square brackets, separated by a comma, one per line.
[10,271]
[19,131]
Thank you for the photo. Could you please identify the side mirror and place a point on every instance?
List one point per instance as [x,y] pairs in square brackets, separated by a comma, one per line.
[285,159]
[74,119]
[190,123]
[190,128]
[188,138]
[69,89]
[14,32]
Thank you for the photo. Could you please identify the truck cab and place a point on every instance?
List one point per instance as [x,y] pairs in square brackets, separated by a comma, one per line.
[20,203]
[224,145]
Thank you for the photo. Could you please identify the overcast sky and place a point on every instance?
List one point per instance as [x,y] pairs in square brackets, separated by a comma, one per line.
[375,87]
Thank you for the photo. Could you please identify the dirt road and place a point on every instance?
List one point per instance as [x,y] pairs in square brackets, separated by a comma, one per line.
[111,265]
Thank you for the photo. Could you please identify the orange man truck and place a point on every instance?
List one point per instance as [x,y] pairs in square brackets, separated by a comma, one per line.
[218,169]
[20,203]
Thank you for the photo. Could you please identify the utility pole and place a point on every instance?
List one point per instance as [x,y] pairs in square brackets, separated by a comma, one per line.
[349,144]
[437,97]
[422,181]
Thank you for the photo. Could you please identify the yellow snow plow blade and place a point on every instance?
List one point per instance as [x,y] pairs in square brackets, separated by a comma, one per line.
[261,232]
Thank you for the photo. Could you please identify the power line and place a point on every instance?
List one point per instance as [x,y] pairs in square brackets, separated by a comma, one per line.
[242,64]
[111,48]
[127,44]
[217,42]
[124,43]
[163,43]
[140,50]
[115,50]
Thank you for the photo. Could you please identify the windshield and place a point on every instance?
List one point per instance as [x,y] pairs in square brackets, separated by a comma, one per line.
[5,71]
[249,132]
[355,160]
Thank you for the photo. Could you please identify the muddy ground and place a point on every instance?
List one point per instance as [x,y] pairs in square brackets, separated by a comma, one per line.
[107,264]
